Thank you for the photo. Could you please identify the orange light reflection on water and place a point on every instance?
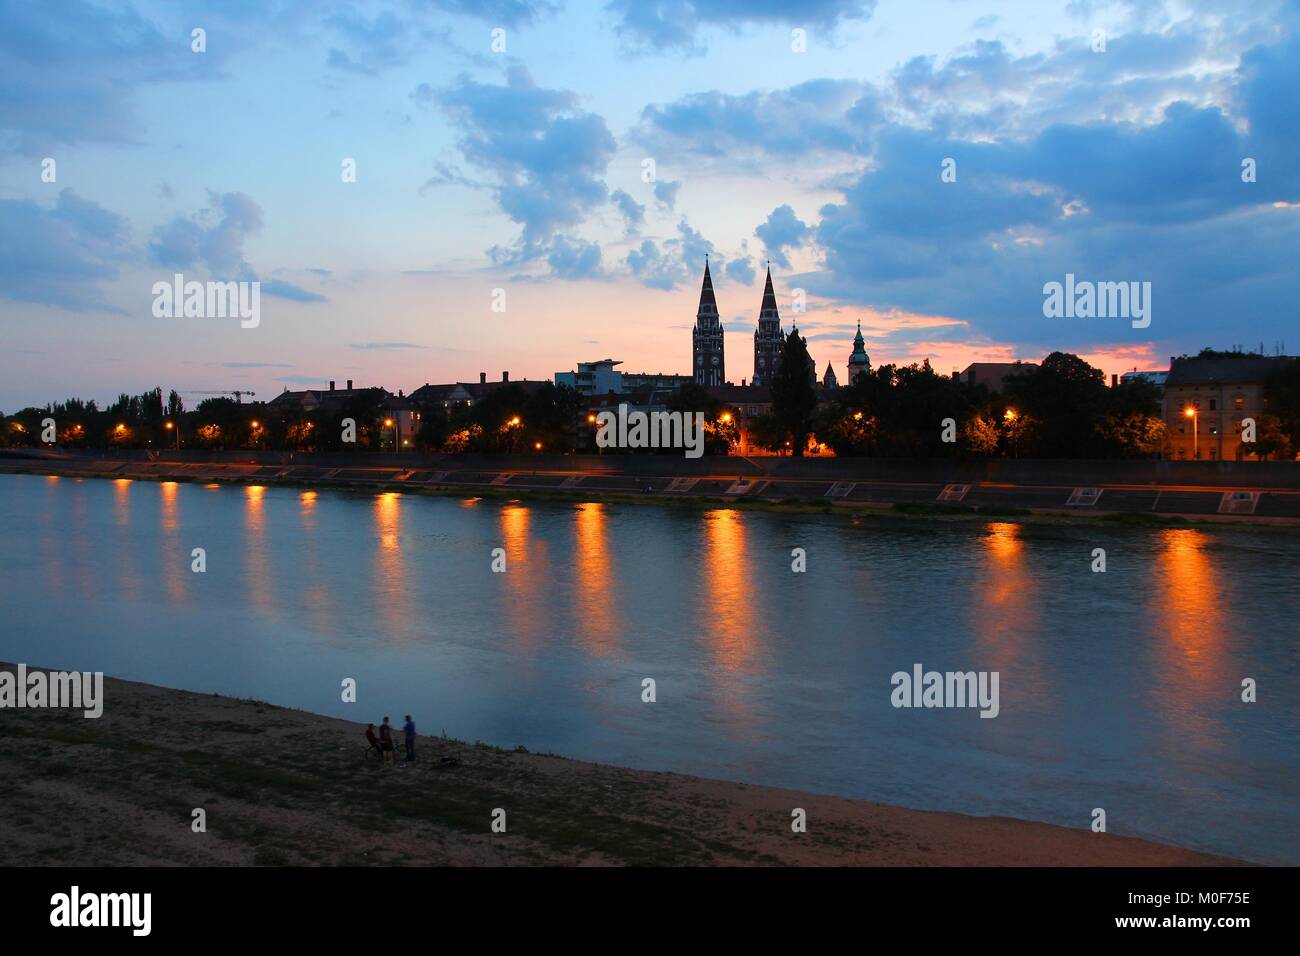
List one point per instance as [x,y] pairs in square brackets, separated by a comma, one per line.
[593,585]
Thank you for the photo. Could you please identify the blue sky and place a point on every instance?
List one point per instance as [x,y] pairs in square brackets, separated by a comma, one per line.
[522,169]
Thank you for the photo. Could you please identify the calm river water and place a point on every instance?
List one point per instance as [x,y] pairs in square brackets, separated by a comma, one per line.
[1118,690]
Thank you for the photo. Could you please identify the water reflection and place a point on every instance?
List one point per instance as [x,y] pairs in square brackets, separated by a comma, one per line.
[255,558]
[528,571]
[727,598]
[1191,616]
[128,580]
[390,567]
[317,595]
[1006,613]
[175,558]
[593,591]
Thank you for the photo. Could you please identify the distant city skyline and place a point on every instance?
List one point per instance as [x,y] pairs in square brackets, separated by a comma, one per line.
[813,136]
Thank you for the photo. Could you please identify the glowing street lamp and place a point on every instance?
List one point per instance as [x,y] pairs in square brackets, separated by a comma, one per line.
[1009,414]
[726,417]
[514,422]
[1191,412]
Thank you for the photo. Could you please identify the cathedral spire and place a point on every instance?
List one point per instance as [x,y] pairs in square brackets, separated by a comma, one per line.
[768,308]
[767,337]
[708,304]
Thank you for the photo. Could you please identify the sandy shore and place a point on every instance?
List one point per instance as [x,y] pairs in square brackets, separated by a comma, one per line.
[282,786]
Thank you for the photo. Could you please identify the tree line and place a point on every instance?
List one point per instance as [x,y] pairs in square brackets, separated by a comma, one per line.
[1059,409]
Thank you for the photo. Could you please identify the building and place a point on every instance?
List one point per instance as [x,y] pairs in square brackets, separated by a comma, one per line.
[1155,378]
[859,360]
[768,338]
[829,381]
[308,400]
[601,378]
[401,421]
[466,394]
[1206,399]
[992,375]
[593,378]
[707,361]
[635,381]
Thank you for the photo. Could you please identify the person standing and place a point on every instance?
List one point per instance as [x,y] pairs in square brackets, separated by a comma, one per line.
[386,738]
[409,730]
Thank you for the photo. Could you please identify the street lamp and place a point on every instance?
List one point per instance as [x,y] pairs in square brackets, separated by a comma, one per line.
[1009,414]
[1191,412]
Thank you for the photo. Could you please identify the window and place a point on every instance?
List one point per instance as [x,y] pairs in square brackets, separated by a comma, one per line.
[1214,404]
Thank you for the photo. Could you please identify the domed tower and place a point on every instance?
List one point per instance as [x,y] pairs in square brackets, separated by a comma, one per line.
[859,361]
[768,338]
[706,337]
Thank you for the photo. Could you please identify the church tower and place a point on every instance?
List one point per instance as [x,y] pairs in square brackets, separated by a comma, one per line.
[768,338]
[706,337]
[859,361]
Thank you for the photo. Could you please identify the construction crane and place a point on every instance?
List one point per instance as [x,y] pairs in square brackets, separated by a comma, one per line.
[235,392]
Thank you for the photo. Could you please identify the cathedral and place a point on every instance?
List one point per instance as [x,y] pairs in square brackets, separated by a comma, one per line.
[768,339]
[708,359]
[706,337]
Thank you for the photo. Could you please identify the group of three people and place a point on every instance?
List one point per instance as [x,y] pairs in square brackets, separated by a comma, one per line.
[384,741]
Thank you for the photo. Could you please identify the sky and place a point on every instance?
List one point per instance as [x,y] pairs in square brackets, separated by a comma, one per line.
[537,183]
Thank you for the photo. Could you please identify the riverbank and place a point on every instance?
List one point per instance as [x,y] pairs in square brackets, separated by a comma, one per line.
[286,787]
[914,502]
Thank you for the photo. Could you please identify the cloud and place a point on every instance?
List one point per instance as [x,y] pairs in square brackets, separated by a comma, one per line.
[574,258]
[385,346]
[73,76]
[664,265]
[60,255]
[507,13]
[633,212]
[666,192]
[742,270]
[547,156]
[782,230]
[287,290]
[255,365]
[674,25]
[818,115]
[213,238]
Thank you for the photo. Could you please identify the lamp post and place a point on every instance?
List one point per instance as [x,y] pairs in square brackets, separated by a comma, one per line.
[1190,411]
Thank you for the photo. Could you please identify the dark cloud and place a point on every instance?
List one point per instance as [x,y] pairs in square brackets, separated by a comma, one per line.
[60,255]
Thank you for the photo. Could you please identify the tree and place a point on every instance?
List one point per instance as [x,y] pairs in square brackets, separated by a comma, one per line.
[794,396]
[1064,397]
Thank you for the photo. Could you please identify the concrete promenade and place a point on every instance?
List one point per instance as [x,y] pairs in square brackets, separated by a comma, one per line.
[1251,490]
